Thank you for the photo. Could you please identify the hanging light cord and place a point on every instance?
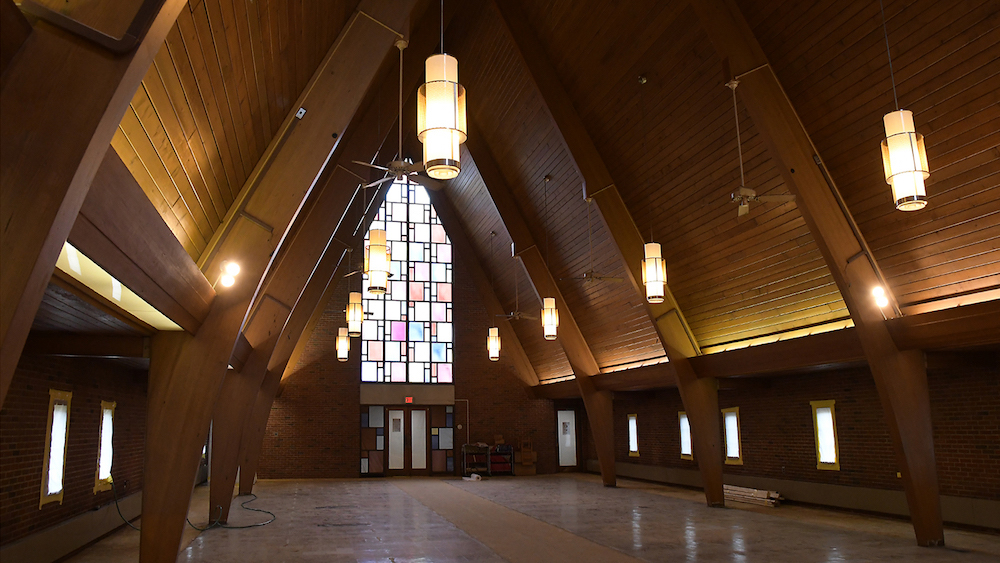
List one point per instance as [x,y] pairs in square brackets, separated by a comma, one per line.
[739,145]
[399,124]
[590,237]
[442,27]
[885,31]
[645,133]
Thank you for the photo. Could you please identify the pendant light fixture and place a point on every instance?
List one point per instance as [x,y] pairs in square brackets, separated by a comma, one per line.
[343,344]
[493,337]
[377,259]
[441,123]
[654,272]
[493,344]
[355,311]
[654,269]
[903,154]
[550,314]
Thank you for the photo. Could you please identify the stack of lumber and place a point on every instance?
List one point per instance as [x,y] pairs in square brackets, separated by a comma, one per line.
[752,496]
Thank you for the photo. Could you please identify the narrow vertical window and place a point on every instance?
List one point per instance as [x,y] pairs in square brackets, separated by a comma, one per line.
[686,451]
[731,420]
[106,453]
[825,426]
[633,436]
[54,462]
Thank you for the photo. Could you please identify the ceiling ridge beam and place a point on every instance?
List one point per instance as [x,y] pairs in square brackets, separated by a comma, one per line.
[900,376]
[700,396]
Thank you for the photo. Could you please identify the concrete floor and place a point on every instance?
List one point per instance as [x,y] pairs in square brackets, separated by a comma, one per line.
[569,517]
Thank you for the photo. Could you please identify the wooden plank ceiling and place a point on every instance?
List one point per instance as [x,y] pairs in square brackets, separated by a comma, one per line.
[229,72]
[831,59]
[216,94]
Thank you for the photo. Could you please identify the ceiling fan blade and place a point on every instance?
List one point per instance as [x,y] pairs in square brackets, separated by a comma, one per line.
[429,183]
[609,279]
[415,167]
[380,182]
[375,166]
[744,209]
[776,198]
[352,273]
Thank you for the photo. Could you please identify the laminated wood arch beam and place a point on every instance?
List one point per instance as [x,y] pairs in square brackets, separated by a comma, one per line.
[187,371]
[305,314]
[120,229]
[50,151]
[700,395]
[598,403]
[900,376]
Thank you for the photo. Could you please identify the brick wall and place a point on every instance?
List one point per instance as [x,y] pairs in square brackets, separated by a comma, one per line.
[777,429]
[314,431]
[23,423]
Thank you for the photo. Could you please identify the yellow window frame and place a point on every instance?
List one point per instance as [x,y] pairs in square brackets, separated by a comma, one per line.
[835,466]
[739,436]
[635,452]
[681,415]
[56,397]
[103,484]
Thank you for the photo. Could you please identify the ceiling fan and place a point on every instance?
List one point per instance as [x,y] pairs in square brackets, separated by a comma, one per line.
[400,169]
[590,276]
[744,195]
[517,314]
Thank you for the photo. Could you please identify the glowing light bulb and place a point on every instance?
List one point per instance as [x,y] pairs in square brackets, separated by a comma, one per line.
[227,280]
[231,268]
[880,299]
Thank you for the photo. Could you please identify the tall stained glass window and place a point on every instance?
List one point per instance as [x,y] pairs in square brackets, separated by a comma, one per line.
[407,335]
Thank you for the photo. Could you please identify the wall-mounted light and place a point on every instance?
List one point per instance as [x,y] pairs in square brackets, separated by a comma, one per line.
[229,272]
[880,299]
[550,318]
[343,344]
[355,314]
[377,258]
[654,272]
[493,343]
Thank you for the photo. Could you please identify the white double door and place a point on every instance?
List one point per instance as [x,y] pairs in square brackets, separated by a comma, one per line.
[407,440]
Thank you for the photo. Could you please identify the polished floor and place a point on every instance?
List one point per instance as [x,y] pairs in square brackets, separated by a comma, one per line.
[545,519]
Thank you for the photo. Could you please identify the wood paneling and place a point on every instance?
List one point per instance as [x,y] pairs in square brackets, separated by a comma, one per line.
[831,59]
[217,92]
[64,311]
[511,116]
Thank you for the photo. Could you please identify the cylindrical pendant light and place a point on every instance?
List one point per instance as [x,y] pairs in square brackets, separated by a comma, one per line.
[903,155]
[355,314]
[905,161]
[377,258]
[343,344]
[550,318]
[654,272]
[493,344]
[441,123]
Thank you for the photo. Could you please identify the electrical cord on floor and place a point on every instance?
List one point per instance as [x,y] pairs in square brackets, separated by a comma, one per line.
[218,522]
[114,491]
[244,506]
